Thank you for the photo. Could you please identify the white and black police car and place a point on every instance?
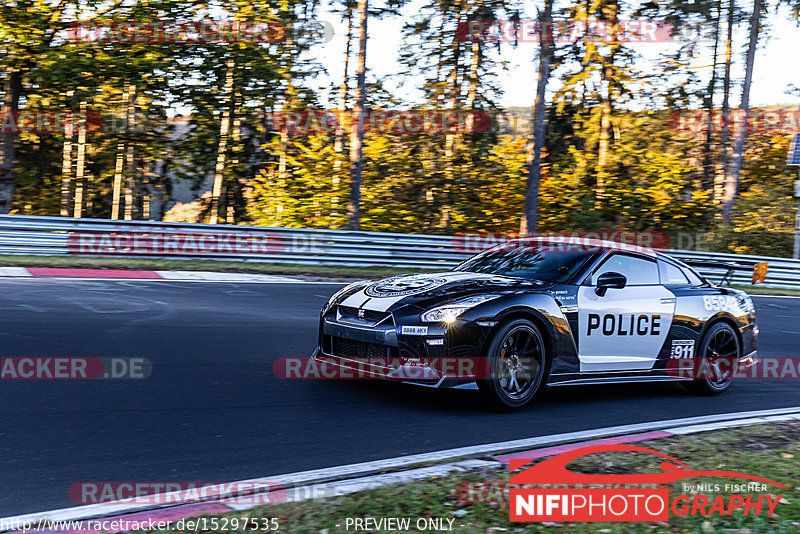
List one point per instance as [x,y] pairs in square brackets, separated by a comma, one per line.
[535,312]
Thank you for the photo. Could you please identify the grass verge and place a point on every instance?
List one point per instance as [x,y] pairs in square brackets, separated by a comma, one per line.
[771,451]
[761,290]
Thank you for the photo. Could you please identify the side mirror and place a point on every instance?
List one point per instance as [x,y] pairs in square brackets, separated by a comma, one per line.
[608,281]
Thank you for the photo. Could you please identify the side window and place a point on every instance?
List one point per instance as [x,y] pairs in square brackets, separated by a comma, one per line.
[672,275]
[638,271]
[693,278]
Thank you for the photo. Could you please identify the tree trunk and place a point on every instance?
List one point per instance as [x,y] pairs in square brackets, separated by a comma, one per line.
[605,118]
[66,167]
[472,90]
[80,163]
[338,145]
[146,180]
[726,108]
[357,128]
[735,167]
[117,185]
[455,89]
[602,151]
[282,149]
[530,216]
[13,91]
[288,102]
[708,160]
[131,181]
[116,188]
[88,195]
[440,58]
[236,149]
[224,128]
[342,121]
[451,138]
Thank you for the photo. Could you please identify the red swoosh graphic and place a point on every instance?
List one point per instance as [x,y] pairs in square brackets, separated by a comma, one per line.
[554,470]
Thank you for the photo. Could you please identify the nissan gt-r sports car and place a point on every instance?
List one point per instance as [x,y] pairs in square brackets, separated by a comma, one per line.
[535,312]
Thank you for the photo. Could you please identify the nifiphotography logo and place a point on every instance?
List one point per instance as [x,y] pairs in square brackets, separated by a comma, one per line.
[630,497]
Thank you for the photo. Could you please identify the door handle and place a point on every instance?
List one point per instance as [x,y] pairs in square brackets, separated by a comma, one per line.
[668,300]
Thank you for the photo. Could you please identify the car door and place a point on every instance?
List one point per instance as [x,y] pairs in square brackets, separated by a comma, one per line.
[623,329]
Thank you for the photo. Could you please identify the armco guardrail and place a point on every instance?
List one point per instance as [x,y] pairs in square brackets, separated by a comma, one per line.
[23,234]
[783,272]
[60,236]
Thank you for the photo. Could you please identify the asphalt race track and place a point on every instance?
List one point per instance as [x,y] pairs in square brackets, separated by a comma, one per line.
[213,411]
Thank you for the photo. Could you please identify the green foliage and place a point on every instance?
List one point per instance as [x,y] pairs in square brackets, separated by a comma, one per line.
[764,217]
[651,184]
[419,183]
[313,196]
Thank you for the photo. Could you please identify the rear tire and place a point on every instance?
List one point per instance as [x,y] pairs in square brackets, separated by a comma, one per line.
[515,365]
[717,361]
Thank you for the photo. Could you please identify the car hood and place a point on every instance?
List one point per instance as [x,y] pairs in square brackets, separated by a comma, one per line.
[431,289]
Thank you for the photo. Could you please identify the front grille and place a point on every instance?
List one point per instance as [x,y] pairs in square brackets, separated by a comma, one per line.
[437,351]
[347,348]
[369,315]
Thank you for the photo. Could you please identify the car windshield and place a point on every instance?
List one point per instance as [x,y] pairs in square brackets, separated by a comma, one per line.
[547,262]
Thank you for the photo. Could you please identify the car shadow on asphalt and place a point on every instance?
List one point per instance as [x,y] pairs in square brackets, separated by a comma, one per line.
[423,399]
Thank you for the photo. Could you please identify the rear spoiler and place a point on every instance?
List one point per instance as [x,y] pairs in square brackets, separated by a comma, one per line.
[759,270]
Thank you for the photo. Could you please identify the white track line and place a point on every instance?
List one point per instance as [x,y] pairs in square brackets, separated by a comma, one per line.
[208,276]
[354,485]
[732,424]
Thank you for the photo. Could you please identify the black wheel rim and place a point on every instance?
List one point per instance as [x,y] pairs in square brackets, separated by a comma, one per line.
[519,363]
[721,355]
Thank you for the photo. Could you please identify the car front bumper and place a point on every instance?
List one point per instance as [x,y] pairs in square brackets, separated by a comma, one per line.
[381,351]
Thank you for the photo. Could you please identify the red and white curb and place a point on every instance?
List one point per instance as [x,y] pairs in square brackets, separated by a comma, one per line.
[123,274]
[346,479]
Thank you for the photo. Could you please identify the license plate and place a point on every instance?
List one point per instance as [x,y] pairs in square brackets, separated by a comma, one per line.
[413,330]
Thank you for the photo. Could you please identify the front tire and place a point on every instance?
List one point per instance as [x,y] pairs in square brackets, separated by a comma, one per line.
[515,365]
[717,361]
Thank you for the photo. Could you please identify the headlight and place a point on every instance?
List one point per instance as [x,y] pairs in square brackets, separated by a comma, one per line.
[342,291]
[449,312]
